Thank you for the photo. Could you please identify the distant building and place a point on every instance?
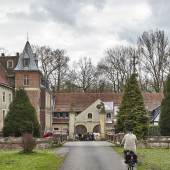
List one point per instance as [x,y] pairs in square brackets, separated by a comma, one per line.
[22,72]
[72,113]
[77,113]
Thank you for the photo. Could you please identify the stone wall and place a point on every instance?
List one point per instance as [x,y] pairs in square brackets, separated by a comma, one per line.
[151,142]
[158,141]
[41,143]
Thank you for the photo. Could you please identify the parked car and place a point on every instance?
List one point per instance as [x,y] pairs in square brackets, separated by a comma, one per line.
[47,134]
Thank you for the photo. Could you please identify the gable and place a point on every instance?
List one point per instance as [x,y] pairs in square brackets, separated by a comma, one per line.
[92,109]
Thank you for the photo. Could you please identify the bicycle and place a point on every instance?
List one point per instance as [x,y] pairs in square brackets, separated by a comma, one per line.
[131,165]
[130,159]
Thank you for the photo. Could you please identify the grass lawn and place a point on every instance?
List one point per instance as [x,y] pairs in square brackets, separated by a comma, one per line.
[151,159]
[39,160]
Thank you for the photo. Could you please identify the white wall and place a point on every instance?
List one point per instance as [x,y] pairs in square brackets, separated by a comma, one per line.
[48,111]
[4,105]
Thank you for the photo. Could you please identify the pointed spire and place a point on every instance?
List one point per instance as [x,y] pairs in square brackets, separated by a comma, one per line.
[27,59]
[27,37]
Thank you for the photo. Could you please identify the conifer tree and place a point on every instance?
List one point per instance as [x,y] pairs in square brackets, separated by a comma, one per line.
[21,116]
[164,122]
[132,113]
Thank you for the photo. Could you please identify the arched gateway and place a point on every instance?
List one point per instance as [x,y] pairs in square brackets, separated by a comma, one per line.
[96,129]
[81,129]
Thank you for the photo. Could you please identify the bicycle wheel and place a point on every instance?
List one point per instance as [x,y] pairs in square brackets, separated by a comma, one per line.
[130,167]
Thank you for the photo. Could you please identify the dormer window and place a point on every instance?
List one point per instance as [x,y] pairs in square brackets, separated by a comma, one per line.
[10,64]
[26,62]
[36,62]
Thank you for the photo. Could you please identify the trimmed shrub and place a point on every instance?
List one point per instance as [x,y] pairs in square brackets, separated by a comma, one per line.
[28,143]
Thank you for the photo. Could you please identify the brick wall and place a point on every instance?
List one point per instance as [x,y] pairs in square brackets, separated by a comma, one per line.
[34,79]
[33,89]
[10,71]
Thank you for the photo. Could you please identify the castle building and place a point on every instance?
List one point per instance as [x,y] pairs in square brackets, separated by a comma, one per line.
[22,72]
[71,113]
[78,113]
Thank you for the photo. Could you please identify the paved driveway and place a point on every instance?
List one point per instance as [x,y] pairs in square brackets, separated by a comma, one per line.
[91,156]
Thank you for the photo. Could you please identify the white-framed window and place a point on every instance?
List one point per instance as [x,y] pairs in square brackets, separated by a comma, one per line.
[26,62]
[10,97]
[3,96]
[10,64]
[3,116]
[89,115]
[26,80]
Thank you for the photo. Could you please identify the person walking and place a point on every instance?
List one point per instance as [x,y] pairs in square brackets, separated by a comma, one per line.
[129,141]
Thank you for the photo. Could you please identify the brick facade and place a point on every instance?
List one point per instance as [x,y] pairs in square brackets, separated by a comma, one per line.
[29,77]
[33,88]
[34,79]
[10,75]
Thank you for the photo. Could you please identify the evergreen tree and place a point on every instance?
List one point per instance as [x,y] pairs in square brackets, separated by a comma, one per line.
[21,116]
[164,122]
[132,113]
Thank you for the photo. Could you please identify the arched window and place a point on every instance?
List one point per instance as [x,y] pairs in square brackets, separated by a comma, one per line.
[108,115]
[89,115]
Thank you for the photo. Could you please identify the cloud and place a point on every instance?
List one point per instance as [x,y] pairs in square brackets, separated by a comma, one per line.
[160,13]
[82,27]
[65,11]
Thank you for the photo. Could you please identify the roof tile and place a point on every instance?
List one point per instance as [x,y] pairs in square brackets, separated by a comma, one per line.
[80,101]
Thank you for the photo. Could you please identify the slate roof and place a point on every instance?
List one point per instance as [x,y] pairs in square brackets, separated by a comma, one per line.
[80,101]
[155,113]
[27,54]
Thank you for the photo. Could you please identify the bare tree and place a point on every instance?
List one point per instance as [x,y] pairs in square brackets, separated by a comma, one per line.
[154,57]
[60,74]
[53,64]
[84,75]
[119,63]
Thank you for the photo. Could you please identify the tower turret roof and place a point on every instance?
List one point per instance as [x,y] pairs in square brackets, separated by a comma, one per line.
[28,57]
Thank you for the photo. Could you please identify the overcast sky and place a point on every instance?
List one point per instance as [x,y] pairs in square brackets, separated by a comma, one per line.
[82,27]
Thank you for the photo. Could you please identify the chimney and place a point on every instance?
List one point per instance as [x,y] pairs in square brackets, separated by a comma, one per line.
[17,54]
[2,55]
